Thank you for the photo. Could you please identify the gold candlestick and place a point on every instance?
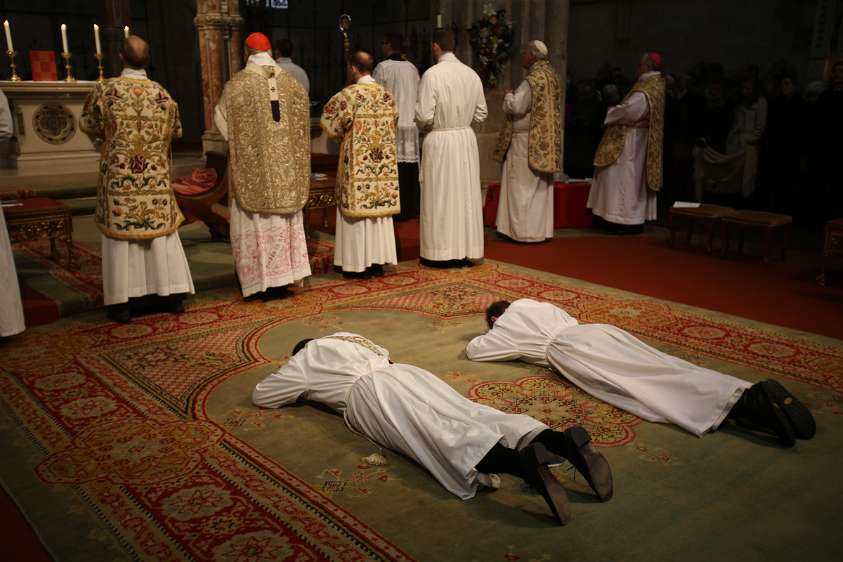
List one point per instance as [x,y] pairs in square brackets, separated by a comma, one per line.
[99,57]
[15,77]
[68,68]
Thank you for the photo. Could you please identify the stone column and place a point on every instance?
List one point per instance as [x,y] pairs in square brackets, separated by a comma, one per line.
[114,15]
[218,24]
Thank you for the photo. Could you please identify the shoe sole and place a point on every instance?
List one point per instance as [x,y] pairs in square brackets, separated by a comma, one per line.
[598,473]
[797,413]
[554,494]
[784,429]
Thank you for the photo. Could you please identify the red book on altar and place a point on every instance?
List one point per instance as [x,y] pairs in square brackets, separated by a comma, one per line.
[43,65]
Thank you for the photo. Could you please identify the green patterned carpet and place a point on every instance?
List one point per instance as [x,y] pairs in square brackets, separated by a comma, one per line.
[146,435]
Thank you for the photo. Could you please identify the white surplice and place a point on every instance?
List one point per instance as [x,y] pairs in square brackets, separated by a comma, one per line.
[269,250]
[287,64]
[450,99]
[619,192]
[400,407]
[11,307]
[401,78]
[525,208]
[134,268]
[612,365]
[361,242]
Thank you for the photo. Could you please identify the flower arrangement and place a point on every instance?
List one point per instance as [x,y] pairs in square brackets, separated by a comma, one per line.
[491,40]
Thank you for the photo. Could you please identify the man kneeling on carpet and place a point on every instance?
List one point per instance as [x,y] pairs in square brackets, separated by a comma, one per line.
[410,410]
[616,367]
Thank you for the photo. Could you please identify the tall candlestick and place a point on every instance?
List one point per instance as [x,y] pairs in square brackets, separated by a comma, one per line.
[68,67]
[9,46]
[64,39]
[438,21]
[125,31]
[97,39]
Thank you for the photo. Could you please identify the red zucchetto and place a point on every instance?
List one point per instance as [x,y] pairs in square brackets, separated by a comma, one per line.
[258,41]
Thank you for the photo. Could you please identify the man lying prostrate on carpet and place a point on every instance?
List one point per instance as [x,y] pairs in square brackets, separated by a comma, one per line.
[410,410]
[616,367]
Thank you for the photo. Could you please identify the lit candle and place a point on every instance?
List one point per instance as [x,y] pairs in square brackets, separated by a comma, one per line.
[97,39]
[64,38]
[8,30]
[126,31]
[438,21]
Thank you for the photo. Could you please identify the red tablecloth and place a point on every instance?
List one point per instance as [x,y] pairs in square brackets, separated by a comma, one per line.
[569,204]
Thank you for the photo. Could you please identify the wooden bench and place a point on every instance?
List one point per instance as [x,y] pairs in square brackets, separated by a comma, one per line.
[37,218]
[709,216]
[769,224]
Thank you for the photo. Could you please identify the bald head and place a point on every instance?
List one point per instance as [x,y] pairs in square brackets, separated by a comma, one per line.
[135,52]
[363,61]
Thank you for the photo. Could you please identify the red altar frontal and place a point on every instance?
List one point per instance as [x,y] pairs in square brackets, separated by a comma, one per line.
[569,204]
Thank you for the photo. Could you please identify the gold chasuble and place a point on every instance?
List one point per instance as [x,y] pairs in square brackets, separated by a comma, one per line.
[136,120]
[544,148]
[612,143]
[365,116]
[268,116]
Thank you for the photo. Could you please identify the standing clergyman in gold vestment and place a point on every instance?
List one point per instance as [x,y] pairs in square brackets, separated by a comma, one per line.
[136,119]
[264,113]
[364,116]
[531,141]
[628,163]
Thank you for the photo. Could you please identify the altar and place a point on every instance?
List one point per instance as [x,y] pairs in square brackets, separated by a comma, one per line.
[45,117]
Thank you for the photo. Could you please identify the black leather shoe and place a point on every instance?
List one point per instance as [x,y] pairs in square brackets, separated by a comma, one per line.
[797,413]
[175,303]
[119,312]
[757,409]
[534,459]
[591,464]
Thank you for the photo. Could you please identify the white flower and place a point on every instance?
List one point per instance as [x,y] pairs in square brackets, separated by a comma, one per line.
[488,10]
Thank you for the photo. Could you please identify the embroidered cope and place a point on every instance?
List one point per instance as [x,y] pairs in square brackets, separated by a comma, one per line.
[364,116]
[136,119]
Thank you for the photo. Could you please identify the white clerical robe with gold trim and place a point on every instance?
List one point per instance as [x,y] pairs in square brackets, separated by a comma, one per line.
[619,192]
[450,99]
[525,207]
[400,407]
[612,365]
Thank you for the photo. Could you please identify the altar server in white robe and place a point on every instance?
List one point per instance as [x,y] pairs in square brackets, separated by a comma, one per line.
[136,119]
[616,367]
[11,307]
[531,142]
[364,116]
[401,78]
[285,61]
[264,113]
[628,162]
[409,410]
[450,99]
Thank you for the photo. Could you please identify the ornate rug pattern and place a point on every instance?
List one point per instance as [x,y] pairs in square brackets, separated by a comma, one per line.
[119,411]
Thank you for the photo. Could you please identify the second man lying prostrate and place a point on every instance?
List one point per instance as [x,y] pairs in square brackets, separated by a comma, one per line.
[410,410]
[618,368]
